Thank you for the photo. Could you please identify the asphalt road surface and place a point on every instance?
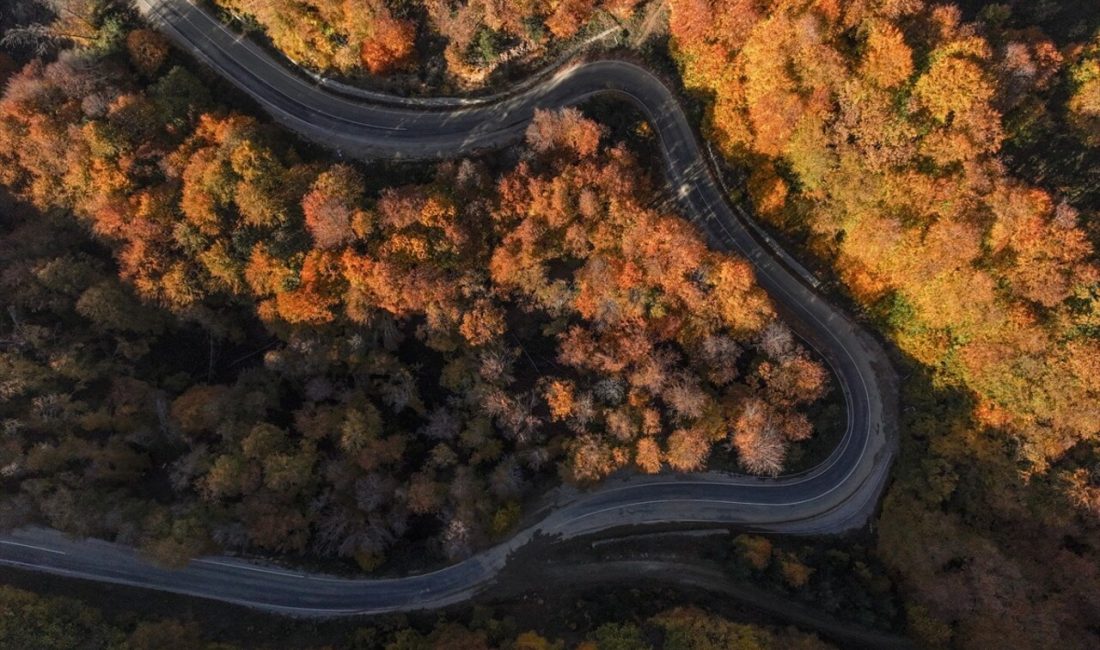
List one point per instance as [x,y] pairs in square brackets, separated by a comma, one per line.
[838,495]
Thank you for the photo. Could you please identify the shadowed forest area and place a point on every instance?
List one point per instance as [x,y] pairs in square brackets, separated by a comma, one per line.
[910,151]
[215,341]
[218,337]
[57,622]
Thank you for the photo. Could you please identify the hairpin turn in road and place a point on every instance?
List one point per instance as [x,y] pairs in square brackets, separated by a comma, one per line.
[838,495]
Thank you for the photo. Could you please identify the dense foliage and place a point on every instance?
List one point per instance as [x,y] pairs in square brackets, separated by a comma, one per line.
[212,338]
[334,35]
[381,36]
[875,131]
[274,358]
[32,622]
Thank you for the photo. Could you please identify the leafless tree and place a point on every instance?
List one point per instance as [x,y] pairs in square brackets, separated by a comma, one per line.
[496,365]
[64,22]
[686,397]
[720,353]
[777,341]
[506,480]
[609,391]
[442,425]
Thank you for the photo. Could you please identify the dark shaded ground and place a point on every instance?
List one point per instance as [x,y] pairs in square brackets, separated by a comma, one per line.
[579,586]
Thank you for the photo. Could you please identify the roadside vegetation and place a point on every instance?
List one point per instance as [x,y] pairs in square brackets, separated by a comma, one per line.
[445,43]
[215,341]
[217,337]
[915,153]
[56,623]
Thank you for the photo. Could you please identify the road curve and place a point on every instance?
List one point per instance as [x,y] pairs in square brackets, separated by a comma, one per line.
[838,495]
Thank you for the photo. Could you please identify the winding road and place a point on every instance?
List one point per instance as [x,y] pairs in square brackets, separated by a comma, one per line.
[838,495]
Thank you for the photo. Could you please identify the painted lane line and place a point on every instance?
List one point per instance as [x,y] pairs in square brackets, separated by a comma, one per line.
[249,567]
[11,543]
[786,498]
[37,548]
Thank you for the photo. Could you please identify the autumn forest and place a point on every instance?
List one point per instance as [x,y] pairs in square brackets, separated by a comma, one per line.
[218,337]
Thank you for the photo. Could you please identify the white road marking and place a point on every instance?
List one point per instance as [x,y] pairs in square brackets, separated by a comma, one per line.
[37,548]
[797,302]
[250,567]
